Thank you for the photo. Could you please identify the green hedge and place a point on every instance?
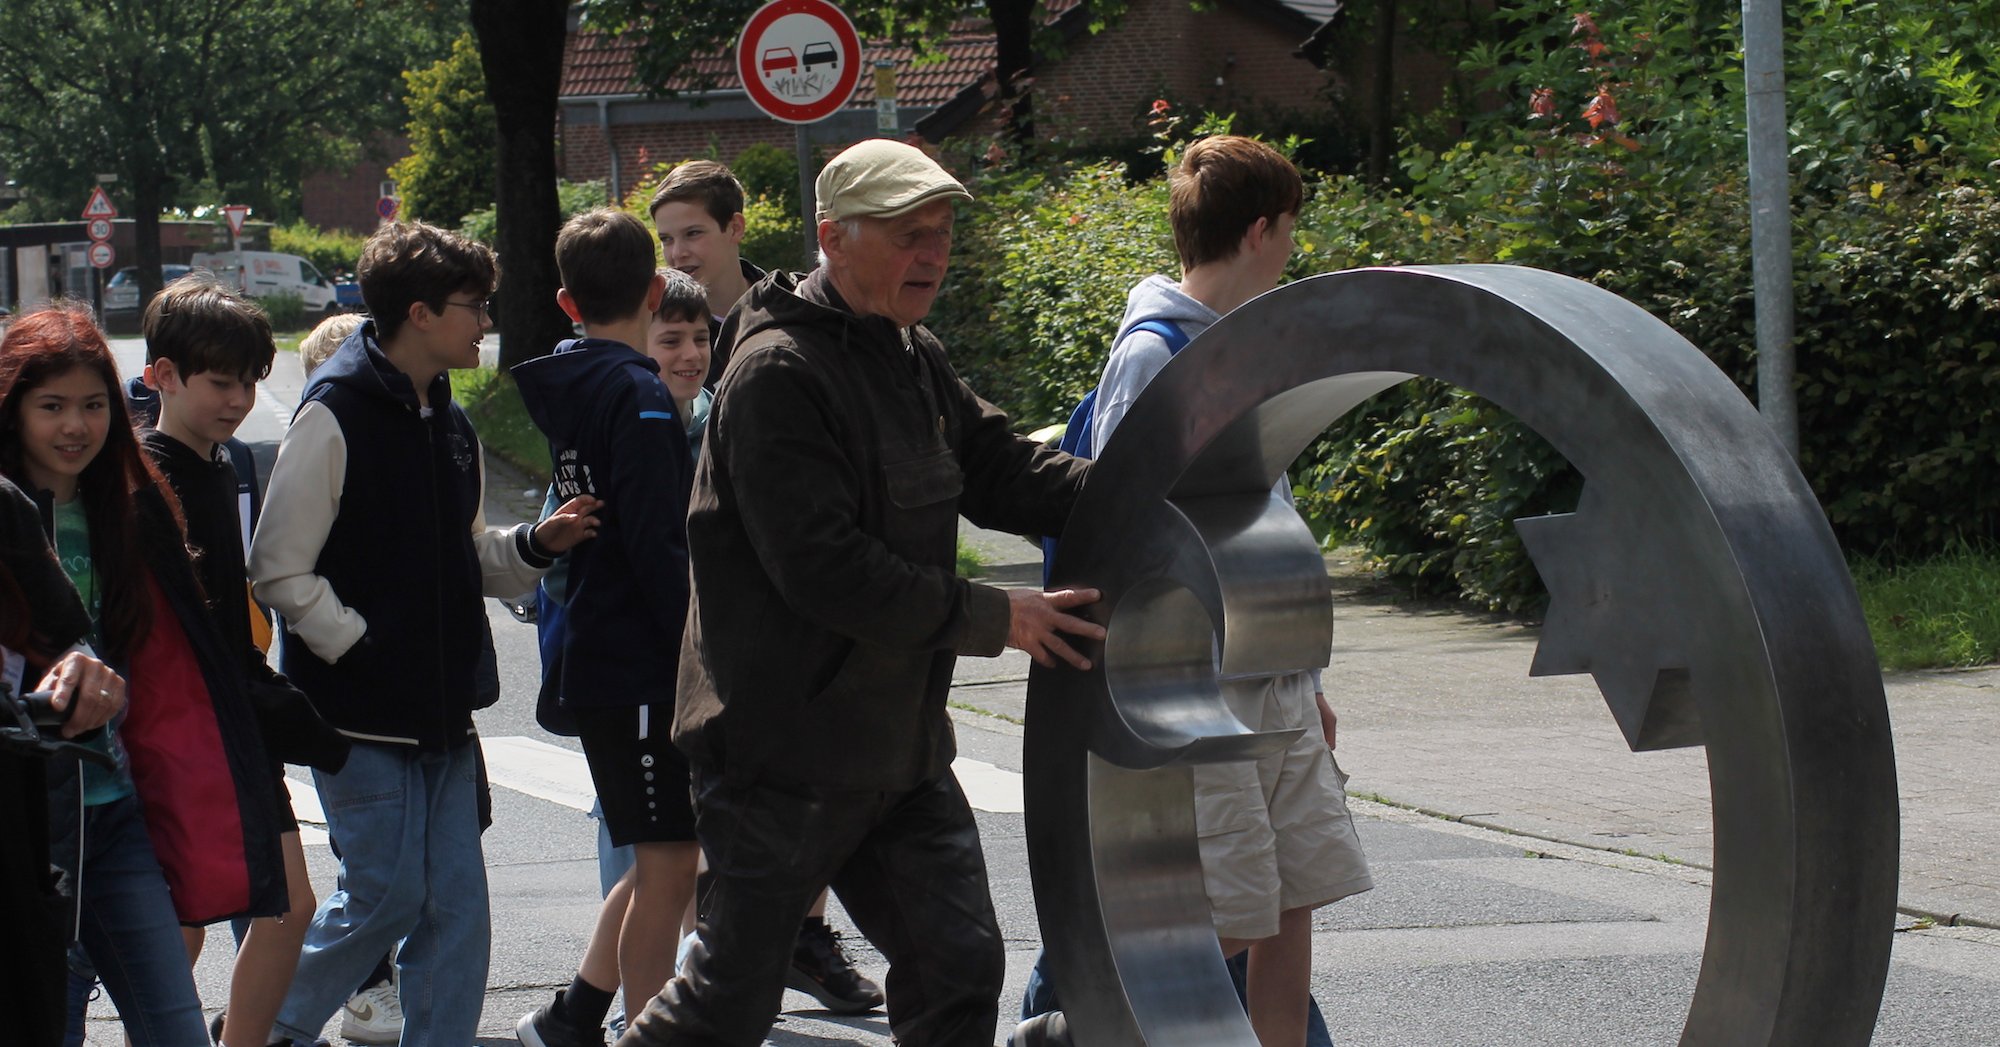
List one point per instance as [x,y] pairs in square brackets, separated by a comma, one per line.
[1897,295]
[327,250]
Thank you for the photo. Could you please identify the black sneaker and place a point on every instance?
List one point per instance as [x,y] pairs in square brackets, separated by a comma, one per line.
[822,970]
[545,1026]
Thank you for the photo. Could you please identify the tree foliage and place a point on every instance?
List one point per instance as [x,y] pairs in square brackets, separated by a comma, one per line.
[450,170]
[200,102]
[1615,157]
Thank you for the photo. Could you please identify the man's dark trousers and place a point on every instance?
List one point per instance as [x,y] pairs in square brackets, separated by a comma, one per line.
[910,872]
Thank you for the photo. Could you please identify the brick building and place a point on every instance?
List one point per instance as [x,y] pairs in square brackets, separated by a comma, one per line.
[345,199]
[1235,55]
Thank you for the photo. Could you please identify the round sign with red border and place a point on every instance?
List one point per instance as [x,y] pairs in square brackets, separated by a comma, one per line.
[101,255]
[99,228]
[799,59]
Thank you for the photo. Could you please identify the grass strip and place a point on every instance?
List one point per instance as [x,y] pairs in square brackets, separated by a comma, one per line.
[1939,613]
[494,405]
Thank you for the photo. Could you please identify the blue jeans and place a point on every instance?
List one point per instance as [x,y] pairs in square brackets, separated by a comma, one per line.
[1040,997]
[128,928]
[411,870]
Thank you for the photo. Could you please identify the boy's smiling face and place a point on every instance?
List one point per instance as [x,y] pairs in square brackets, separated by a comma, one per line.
[680,347]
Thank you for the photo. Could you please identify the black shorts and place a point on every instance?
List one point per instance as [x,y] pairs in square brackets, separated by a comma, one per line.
[641,779]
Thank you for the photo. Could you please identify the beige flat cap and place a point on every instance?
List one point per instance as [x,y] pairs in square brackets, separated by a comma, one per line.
[881,178]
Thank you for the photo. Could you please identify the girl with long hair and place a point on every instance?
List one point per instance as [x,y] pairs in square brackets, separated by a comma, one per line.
[180,830]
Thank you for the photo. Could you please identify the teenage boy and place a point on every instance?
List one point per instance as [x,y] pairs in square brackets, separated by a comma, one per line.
[374,547]
[698,212]
[206,350]
[1270,862]
[616,433]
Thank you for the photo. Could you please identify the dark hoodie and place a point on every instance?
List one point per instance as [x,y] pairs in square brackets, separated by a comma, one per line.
[614,433]
[400,552]
[823,534]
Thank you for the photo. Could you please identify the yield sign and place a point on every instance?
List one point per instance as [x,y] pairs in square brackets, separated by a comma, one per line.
[99,205]
[236,213]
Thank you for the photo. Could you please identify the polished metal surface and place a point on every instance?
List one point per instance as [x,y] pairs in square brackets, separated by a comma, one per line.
[1697,582]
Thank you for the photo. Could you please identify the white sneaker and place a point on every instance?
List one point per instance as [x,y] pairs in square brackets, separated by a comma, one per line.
[374,1015]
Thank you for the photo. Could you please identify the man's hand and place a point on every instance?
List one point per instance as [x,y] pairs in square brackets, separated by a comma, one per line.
[575,521]
[96,691]
[1035,620]
[1327,721]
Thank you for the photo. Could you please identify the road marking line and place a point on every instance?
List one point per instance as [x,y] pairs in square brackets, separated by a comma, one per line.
[559,775]
[544,771]
[988,788]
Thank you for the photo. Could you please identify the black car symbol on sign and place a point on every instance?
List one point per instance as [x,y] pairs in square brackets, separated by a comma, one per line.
[780,60]
[822,53]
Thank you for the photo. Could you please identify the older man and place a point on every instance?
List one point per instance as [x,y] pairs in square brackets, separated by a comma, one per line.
[826,617]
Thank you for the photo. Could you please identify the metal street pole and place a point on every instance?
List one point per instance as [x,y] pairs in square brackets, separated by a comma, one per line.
[1770,215]
[806,202]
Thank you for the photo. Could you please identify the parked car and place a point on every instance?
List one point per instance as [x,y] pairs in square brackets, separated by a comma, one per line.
[262,273]
[121,295]
[348,294]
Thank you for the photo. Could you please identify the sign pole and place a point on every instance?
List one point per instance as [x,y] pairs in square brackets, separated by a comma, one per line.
[807,205]
[799,62]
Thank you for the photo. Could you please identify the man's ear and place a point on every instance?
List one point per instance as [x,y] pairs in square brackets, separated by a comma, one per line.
[568,305]
[832,239]
[158,374]
[734,230]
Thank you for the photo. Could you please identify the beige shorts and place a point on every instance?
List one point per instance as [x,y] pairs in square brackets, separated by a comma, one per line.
[1276,834]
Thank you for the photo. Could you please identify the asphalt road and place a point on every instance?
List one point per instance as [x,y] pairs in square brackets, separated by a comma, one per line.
[1472,937]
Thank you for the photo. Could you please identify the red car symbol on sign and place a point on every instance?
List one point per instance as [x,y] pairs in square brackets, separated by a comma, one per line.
[780,60]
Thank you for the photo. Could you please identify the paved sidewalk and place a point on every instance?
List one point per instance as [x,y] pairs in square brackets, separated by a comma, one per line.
[1438,714]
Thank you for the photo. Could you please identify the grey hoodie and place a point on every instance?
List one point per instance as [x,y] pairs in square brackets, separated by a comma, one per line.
[1136,356]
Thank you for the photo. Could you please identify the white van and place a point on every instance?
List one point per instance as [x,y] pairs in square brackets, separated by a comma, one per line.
[260,273]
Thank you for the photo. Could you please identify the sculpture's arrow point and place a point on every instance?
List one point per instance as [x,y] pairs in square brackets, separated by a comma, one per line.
[1606,619]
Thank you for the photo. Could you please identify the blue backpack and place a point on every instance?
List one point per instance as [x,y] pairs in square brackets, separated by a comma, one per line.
[1076,437]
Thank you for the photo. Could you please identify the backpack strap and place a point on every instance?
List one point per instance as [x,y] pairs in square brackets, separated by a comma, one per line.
[1169,332]
[1076,437]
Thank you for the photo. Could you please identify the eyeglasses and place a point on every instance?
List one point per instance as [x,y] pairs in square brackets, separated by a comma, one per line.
[484,307]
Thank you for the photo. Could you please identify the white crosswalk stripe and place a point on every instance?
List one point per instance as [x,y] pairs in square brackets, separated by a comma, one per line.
[559,775]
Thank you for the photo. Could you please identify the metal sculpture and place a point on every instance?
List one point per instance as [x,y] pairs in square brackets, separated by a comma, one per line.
[1698,582]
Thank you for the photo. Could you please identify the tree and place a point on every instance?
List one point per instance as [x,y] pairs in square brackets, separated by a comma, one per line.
[451,167]
[195,98]
[521,51]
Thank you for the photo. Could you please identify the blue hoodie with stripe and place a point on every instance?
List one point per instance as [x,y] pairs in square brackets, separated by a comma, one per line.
[615,433]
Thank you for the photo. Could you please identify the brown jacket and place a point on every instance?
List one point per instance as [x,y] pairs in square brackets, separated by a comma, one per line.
[822,535]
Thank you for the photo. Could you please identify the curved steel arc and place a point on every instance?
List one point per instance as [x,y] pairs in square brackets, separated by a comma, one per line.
[1697,582]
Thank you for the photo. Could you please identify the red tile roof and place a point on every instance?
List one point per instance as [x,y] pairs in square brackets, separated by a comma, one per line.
[597,64]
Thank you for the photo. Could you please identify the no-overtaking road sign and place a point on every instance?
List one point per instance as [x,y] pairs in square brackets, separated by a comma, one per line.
[799,60]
